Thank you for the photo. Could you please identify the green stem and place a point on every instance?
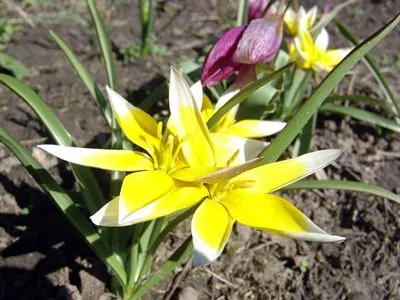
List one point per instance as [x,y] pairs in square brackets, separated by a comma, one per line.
[243,8]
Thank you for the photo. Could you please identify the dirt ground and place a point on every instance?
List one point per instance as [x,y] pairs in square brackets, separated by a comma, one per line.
[42,258]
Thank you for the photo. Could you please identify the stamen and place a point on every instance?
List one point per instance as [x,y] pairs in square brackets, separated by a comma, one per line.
[233,157]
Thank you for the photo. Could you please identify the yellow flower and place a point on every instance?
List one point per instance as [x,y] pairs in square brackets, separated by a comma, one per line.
[247,199]
[176,175]
[310,54]
[298,21]
[228,124]
[152,172]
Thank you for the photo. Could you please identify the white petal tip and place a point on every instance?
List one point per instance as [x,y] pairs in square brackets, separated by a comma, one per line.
[320,159]
[55,150]
[199,259]
[118,102]
[317,237]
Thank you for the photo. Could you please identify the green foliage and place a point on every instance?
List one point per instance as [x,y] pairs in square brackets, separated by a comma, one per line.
[7,31]
[16,67]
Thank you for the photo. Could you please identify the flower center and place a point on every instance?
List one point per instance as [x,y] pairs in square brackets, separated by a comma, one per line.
[218,191]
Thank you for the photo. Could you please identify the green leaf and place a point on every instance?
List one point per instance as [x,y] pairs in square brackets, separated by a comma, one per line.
[360,98]
[174,261]
[328,17]
[13,65]
[361,115]
[85,77]
[257,103]
[243,94]
[351,186]
[89,188]
[310,107]
[304,142]
[65,204]
[242,13]
[294,93]
[104,44]
[146,20]
[371,64]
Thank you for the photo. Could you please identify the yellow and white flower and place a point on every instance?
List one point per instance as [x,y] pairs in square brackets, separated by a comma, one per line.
[166,153]
[298,21]
[248,128]
[314,54]
[182,170]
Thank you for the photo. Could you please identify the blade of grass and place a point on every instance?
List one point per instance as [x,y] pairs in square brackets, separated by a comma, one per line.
[304,142]
[243,94]
[371,64]
[90,190]
[361,115]
[310,107]
[242,12]
[104,44]
[351,186]
[293,95]
[330,16]
[361,98]
[65,204]
[175,260]
[146,20]
[85,77]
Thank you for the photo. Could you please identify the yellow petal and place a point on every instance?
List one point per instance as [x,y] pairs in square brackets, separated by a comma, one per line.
[137,125]
[179,198]
[322,41]
[190,174]
[229,117]
[270,177]
[255,128]
[197,92]
[274,214]
[207,109]
[332,57]
[108,214]
[312,16]
[242,149]
[211,228]
[140,189]
[115,160]
[188,123]
[213,175]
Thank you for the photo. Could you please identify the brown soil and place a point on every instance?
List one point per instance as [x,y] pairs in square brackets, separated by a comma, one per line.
[42,258]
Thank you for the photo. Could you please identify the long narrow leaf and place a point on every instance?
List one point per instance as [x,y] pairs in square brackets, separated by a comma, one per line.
[243,94]
[146,20]
[85,77]
[65,204]
[352,186]
[89,188]
[371,64]
[104,44]
[305,140]
[242,12]
[361,98]
[330,16]
[310,107]
[175,260]
[361,115]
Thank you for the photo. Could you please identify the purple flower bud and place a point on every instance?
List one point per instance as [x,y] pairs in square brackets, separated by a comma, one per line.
[247,74]
[219,64]
[256,9]
[260,42]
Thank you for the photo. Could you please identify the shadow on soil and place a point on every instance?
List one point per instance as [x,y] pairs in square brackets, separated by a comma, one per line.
[44,246]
